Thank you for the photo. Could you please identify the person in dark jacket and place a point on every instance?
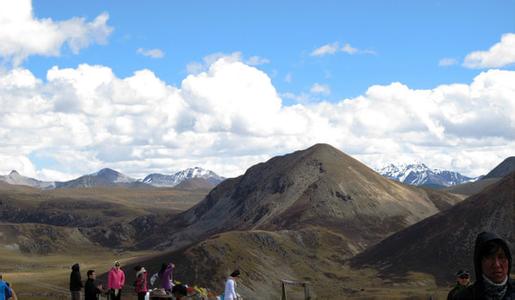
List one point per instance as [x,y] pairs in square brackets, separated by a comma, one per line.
[75,282]
[492,265]
[92,289]
[462,282]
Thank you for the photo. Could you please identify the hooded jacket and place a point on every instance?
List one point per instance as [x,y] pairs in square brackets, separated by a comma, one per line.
[477,290]
[75,280]
[115,279]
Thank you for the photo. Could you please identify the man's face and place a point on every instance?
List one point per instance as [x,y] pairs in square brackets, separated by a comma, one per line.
[464,280]
[93,275]
[495,266]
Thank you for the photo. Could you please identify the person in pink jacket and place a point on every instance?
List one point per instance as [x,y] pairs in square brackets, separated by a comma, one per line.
[115,281]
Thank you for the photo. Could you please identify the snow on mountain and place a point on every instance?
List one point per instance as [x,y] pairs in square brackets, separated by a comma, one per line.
[181,176]
[15,178]
[419,174]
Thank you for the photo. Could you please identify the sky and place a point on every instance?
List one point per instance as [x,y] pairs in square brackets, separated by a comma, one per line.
[161,86]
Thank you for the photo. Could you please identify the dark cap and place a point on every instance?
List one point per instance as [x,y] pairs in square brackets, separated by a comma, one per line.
[462,273]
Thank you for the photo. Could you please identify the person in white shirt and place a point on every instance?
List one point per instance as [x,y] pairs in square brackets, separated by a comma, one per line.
[230,286]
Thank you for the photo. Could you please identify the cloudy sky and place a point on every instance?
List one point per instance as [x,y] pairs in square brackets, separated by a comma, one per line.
[162,86]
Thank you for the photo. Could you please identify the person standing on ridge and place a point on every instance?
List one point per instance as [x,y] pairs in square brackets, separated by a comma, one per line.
[462,282]
[141,285]
[166,276]
[91,288]
[492,265]
[115,281]
[5,290]
[230,286]
[75,282]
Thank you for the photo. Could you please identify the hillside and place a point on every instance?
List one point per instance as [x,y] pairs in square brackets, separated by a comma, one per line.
[319,186]
[503,169]
[443,243]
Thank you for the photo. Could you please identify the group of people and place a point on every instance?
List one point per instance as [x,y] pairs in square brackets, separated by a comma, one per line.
[116,281]
[492,266]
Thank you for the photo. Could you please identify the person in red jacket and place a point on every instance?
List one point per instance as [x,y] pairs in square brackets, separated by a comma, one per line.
[141,285]
[115,281]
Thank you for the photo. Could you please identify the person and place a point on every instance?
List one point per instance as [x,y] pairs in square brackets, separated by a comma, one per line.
[5,290]
[179,291]
[230,286]
[462,281]
[492,266]
[141,285]
[75,282]
[166,276]
[91,288]
[115,281]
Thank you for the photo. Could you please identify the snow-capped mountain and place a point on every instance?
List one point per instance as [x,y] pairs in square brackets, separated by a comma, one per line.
[15,178]
[105,177]
[421,175]
[161,180]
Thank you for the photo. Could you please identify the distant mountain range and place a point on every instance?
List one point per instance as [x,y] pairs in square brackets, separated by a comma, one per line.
[420,175]
[187,179]
[161,180]
[15,178]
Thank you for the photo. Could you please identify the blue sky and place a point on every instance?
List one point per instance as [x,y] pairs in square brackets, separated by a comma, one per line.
[163,85]
[409,38]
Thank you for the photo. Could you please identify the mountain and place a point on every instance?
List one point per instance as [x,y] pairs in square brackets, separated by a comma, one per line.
[15,178]
[300,215]
[444,243]
[504,168]
[207,176]
[420,175]
[103,178]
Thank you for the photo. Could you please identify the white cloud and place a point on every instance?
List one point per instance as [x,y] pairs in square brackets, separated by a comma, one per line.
[153,53]
[446,62]
[318,88]
[326,49]
[256,61]
[330,49]
[229,116]
[499,55]
[23,35]
[347,48]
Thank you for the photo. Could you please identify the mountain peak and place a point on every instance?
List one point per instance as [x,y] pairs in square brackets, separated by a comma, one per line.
[14,173]
[161,180]
[419,174]
[504,168]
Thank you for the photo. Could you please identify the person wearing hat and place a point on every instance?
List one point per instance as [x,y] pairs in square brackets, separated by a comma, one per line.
[462,281]
[230,286]
[492,266]
[141,283]
[115,281]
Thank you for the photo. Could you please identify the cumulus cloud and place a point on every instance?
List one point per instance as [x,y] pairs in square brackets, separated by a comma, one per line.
[230,116]
[499,55]
[446,62]
[153,53]
[318,88]
[22,35]
[256,61]
[330,49]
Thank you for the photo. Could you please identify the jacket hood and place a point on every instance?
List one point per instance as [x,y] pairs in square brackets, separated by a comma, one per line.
[481,240]
[76,267]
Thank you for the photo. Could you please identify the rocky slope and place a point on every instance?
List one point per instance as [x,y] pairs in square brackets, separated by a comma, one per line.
[444,243]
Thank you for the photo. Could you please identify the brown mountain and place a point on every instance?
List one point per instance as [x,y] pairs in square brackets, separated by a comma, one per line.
[319,186]
[297,216]
[443,243]
[504,168]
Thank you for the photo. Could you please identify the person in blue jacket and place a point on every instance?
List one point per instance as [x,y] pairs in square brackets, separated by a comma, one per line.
[5,290]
